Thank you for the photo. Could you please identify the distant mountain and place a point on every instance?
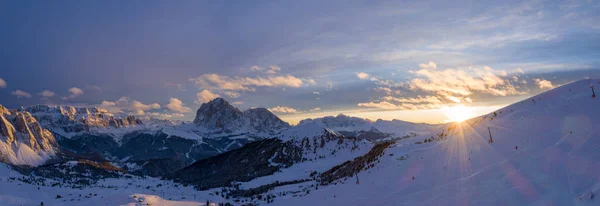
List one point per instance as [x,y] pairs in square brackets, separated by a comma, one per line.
[154,146]
[219,115]
[22,139]
[371,130]
[68,120]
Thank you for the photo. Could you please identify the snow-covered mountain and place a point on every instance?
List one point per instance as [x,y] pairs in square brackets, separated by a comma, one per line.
[68,120]
[540,151]
[371,130]
[22,140]
[219,115]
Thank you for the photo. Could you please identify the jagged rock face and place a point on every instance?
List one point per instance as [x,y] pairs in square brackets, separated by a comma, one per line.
[22,139]
[71,119]
[219,114]
[262,120]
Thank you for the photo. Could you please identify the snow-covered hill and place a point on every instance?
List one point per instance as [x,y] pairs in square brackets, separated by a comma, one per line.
[544,152]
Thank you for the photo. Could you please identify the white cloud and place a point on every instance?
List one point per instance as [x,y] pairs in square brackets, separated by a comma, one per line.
[283,109]
[310,81]
[461,82]
[21,94]
[177,105]
[362,75]
[2,83]
[205,96]
[544,84]
[273,69]
[215,81]
[430,65]
[75,92]
[315,109]
[47,93]
[315,92]
[127,105]
[139,108]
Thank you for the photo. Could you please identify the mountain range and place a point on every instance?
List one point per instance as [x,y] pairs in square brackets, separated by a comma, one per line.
[538,151]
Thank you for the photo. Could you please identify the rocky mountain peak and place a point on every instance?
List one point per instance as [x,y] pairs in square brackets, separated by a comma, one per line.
[77,119]
[219,114]
[22,140]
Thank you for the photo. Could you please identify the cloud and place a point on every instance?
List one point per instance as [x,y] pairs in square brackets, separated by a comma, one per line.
[215,81]
[310,81]
[544,84]
[400,106]
[362,75]
[139,108]
[75,92]
[47,93]
[127,105]
[460,82]
[387,90]
[414,100]
[315,109]
[430,65]
[21,94]
[273,69]
[237,103]
[205,96]
[381,105]
[315,92]
[177,105]
[441,87]
[283,109]
[2,83]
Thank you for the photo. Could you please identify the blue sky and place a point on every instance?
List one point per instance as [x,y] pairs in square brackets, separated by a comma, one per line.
[402,60]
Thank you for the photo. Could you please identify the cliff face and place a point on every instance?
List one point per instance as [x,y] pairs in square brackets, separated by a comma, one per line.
[71,119]
[218,114]
[22,139]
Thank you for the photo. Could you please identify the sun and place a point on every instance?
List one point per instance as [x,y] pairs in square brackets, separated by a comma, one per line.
[457,113]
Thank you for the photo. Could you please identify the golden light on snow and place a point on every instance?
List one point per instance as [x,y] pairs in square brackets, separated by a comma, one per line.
[458,113]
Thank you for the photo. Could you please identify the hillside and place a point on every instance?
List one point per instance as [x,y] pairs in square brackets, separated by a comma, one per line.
[542,151]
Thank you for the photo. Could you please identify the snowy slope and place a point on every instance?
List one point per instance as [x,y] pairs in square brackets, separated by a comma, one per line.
[543,153]
[122,191]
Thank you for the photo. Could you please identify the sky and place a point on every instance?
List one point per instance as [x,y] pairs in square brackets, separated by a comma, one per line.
[407,60]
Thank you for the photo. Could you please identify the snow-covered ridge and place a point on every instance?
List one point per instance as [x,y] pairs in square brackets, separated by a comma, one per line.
[368,129]
[22,139]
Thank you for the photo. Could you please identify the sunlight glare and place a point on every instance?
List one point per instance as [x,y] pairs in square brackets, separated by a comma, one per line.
[457,113]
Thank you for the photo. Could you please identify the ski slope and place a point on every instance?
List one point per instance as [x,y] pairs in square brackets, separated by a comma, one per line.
[545,151]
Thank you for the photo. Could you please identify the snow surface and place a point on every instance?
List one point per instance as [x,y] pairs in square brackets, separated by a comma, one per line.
[544,152]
